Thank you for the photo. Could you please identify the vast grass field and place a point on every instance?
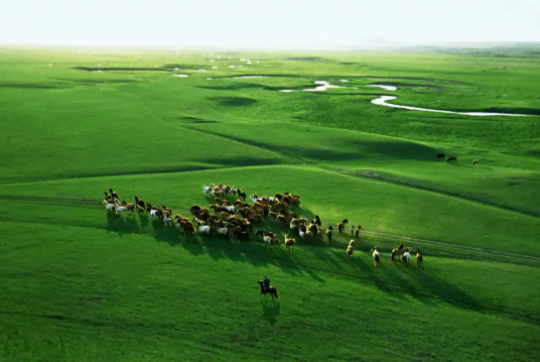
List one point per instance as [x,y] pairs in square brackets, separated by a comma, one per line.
[81,285]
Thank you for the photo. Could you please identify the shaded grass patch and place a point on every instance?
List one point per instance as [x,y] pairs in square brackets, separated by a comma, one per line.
[234,101]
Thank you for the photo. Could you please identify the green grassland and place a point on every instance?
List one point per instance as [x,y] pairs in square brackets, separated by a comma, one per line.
[81,285]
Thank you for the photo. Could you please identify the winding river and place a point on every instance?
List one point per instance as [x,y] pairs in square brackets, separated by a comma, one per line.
[383,101]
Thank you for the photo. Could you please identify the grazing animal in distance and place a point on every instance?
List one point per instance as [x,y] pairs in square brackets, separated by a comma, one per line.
[376,256]
[419,259]
[475,162]
[441,156]
[452,159]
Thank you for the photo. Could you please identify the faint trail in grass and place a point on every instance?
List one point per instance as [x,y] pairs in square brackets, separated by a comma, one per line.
[120,173]
[440,248]
[449,248]
[134,173]
[51,200]
[367,174]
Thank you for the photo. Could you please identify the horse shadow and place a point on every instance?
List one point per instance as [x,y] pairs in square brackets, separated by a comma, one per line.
[170,235]
[145,221]
[121,224]
[271,310]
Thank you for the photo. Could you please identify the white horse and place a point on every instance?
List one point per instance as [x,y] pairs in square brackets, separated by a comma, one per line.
[406,257]
[167,221]
[270,240]
[230,208]
[376,255]
[223,231]
[108,207]
[204,229]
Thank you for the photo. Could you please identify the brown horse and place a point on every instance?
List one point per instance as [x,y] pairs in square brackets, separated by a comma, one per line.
[272,290]
[397,252]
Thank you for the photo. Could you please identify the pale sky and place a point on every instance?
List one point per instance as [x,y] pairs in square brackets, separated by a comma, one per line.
[267,24]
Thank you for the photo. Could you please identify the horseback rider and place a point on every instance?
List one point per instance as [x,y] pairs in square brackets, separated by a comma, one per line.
[266,283]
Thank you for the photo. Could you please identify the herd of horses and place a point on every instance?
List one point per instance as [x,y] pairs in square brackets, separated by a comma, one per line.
[234,219]
[442,156]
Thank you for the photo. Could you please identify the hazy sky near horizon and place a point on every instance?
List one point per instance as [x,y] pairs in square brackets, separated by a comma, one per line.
[265,24]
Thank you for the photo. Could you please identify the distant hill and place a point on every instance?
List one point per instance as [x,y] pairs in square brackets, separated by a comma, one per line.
[481,49]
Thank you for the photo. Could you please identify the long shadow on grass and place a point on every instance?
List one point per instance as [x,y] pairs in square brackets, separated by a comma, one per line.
[196,120]
[234,101]
[509,110]
[32,85]
[115,69]
[120,225]
[311,258]
[271,310]
[242,161]
[256,253]
[400,150]
[397,280]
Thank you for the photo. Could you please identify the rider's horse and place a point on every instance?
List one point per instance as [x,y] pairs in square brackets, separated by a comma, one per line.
[272,290]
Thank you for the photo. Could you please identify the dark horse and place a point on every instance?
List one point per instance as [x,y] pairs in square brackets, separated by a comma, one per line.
[441,155]
[452,158]
[272,290]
